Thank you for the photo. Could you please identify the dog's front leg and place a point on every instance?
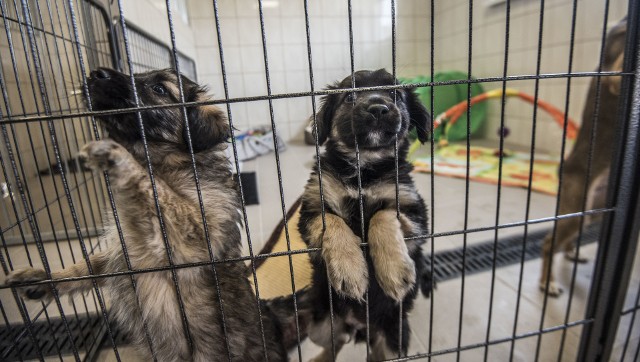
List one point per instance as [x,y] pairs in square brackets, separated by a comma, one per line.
[44,291]
[133,188]
[394,268]
[342,255]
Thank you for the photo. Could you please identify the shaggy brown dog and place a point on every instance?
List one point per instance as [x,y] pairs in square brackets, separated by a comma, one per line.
[574,172]
[156,306]
[393,269]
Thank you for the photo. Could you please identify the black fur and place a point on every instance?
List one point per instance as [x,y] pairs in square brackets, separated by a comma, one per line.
[111,89]
[342,121]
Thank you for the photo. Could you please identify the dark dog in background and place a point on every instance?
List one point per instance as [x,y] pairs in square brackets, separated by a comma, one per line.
[392,269]
[156,304]
[575,167]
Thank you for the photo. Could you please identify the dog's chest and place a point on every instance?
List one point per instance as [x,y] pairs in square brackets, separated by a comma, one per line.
[356,207]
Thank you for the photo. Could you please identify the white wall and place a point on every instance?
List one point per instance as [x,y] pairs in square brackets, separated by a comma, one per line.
[488,56]
[288,63]
[287,50]
[151,16]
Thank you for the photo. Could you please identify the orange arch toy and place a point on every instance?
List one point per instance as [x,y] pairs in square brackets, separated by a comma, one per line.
[451,115]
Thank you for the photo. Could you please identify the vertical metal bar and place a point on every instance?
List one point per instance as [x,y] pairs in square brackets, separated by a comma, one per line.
[395,154]
[60,166]
[499,188]
[535,114]
[318,163]
[43,92]
[360,199]
[235,152]
[620,233]
[52,333]
[197,184]
[23,313]
[432,191]
[84,252]
[532,153]
[279,171]
[79,63]
[11,332]
[592,137]
[466,198]
[165,238]
[631,323]
[31,214]
[74,136]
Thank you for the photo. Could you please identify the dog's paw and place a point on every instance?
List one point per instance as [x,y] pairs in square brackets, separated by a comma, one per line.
[396,275]
[29,275]
[347,269]
[102,155]
[394,268]
[554,288]
[572,255]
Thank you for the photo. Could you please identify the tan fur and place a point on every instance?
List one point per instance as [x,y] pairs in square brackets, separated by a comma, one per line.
[346,266]
[395,270]
[153,308]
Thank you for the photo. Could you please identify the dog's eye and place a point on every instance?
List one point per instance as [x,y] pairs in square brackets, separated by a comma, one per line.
[394,93]
[159,89]
[350,98]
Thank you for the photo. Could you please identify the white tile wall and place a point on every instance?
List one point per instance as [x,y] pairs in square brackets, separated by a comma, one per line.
[285,30]
[451,44]
[151,16]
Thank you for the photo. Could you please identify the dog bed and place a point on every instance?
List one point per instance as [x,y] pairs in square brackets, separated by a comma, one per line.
[274,273]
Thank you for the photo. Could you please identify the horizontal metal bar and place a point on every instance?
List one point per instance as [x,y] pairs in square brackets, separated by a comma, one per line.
[262,256]
[496,341]
[630,310]
[11,120]
[49,203]
[42,30]
[513,224]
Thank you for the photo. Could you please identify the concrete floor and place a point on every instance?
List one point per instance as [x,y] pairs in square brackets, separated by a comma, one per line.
[440,314]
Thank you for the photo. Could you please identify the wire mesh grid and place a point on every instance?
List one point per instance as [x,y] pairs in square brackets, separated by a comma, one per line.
[54,208]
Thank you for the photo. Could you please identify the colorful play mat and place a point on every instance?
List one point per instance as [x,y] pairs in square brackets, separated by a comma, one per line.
[451,160]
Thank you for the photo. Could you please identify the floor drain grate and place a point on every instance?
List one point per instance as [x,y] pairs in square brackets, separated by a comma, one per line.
[52,338]
[479,256]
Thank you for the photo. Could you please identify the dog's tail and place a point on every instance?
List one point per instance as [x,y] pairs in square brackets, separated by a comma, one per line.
[284,312]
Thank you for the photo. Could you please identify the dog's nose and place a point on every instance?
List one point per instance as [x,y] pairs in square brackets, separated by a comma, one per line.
[101,73]
[377,110]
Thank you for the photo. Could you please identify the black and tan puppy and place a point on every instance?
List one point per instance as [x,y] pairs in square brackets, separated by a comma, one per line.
[392,268]
[156,304]
[604,111]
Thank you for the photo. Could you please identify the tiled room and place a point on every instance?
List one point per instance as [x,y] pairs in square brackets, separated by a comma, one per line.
[491,184]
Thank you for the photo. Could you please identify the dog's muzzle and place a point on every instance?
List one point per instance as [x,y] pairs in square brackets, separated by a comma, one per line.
[378,110]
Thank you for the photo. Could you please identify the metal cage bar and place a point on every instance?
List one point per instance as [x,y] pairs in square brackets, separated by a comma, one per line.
[621,229]
[62,124]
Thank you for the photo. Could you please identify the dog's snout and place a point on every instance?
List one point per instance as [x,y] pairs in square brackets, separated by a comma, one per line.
[101,73]
[378,110]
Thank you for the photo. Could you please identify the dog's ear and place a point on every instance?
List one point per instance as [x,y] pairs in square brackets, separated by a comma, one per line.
[208,127]
[420,119]
[324,117]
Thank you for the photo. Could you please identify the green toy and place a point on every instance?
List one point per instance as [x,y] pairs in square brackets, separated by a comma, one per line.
[445,97]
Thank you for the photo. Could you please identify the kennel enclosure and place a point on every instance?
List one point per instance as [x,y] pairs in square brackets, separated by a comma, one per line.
[53,209]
